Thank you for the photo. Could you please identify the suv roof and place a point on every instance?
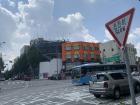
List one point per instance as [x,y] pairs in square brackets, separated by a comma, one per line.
[109,72]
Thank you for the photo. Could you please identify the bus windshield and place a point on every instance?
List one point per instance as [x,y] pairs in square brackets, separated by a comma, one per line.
[76,73]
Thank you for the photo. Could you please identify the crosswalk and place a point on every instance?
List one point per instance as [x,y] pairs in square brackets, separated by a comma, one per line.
[54,93]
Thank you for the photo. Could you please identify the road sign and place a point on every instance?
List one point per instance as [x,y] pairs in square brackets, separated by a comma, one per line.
[119,27]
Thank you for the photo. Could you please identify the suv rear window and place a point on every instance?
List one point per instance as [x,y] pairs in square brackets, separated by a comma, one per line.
[117,76]
[101,77]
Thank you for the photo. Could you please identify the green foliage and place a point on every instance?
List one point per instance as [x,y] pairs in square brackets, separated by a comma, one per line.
[26,64]
[1,64]
[7,74]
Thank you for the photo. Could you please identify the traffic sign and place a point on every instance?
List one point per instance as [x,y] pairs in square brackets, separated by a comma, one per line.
[119,27]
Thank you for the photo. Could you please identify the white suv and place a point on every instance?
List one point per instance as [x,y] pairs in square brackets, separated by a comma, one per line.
[112,84]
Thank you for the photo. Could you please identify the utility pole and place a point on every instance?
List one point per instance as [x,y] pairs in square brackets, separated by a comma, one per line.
[119,28]
[57,59]
[125,53]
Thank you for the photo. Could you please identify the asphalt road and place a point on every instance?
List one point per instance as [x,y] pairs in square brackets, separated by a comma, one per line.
[46,92]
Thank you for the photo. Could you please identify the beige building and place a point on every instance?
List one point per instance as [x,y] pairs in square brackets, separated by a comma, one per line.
[111,53]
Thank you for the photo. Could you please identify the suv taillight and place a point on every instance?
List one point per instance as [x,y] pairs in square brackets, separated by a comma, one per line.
[105,85]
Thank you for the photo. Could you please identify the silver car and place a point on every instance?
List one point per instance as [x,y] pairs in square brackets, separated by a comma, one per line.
[112,84]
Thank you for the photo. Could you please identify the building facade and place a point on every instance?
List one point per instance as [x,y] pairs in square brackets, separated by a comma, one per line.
[75,53]
[111,53]
[50,68]
[49,49]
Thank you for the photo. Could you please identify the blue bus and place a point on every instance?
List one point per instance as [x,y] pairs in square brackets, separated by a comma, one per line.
[84,73]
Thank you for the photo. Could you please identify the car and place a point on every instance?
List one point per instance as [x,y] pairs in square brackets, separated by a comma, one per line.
[27,78]
[112,84]
[2,79]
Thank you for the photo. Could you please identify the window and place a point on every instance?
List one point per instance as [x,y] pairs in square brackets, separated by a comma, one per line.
[76,47]
[68,56]
[86,48]
[96,48]
[97,56]
[92,55]
[75,73]
[85,55]
[76,56]
[68,48]
[102,77]
[112,49]
[92,48]
[117,76]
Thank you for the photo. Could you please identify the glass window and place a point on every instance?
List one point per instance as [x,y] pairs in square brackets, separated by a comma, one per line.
[68,48]
[76,47]
[85,55]
[117,76]
[76,73]
[92,55]
[92,48]
[112,49]
[86,48]
[96,48]
[76,56]
[102,77]
[68,55]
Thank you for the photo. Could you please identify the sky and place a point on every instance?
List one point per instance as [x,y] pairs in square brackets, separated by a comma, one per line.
[74,20]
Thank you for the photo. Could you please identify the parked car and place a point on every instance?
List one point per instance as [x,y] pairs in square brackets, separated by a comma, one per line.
[112,84]
[55,77]
[2,79]
[27,78]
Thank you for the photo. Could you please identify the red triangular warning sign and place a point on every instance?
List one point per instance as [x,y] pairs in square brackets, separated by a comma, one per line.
[119,27]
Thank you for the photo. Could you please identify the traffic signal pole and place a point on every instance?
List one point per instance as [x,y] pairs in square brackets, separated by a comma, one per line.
[125,54]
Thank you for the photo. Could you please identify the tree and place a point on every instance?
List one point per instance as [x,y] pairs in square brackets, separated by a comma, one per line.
[1,64]
[34,58]
[27,64]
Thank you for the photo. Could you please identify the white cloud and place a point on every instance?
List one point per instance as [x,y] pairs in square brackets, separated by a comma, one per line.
[8,25]
[37,16]
[35,19]
[70,27]
[105,40]
[11,3]
[92,1]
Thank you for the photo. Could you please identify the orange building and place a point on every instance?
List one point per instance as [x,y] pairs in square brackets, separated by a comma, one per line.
[74,53]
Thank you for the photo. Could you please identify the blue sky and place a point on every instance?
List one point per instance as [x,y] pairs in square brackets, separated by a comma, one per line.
[74,20]
[98,13]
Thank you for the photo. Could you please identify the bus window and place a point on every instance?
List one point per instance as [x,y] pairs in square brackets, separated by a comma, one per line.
[84,71]
[75,73]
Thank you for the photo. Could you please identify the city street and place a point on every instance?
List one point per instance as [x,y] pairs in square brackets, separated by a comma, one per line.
[46,92]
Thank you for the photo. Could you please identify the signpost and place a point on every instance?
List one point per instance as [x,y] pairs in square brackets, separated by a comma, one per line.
[119,29]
